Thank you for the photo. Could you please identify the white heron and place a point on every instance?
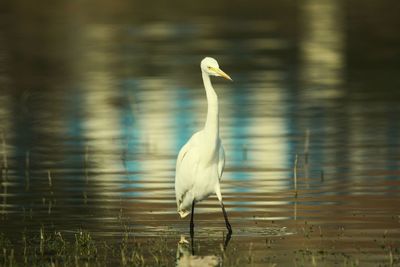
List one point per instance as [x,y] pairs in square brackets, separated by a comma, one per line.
[201,160]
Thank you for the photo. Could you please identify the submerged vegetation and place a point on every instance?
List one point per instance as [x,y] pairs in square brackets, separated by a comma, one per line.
[47,247]
[53,248]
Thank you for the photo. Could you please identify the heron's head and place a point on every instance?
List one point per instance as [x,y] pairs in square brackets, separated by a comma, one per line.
[211,67]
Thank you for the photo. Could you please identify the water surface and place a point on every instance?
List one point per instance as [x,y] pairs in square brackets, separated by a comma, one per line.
[94,108]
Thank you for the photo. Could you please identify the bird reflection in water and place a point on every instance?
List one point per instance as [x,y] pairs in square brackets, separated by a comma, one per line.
[185,257]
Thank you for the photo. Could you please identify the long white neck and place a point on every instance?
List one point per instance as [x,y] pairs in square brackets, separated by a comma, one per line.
[212,122]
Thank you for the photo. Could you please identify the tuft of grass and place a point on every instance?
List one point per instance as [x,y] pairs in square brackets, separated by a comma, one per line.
[85,245]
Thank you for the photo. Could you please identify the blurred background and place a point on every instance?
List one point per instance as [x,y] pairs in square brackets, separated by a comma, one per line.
[97,97]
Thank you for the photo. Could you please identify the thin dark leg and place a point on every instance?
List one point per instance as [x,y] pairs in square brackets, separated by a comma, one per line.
[228,225]
[192,228]
[227,239]
[191,221]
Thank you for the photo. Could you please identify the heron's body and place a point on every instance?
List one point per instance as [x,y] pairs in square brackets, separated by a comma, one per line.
[198,171]
[201,160]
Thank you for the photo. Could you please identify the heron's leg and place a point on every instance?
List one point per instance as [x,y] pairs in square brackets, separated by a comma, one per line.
[227,239]
[191,221]
[219,196]
[228,225]
[192,228]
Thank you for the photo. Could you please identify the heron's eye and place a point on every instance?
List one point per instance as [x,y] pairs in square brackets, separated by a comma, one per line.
[209,67]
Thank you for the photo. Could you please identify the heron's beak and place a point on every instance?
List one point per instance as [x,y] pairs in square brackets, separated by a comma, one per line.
[219,72]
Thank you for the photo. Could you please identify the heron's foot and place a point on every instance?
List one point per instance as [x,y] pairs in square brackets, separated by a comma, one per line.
[183,213]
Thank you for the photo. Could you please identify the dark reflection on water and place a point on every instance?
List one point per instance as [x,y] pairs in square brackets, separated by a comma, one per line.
[95,106]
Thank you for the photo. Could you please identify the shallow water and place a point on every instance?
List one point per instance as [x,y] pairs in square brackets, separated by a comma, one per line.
[95,106]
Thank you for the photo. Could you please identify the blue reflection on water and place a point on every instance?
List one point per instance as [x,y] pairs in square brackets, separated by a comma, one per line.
[183,118]
[130,133]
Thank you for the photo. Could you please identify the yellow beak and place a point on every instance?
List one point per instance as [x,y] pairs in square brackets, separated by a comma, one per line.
[219,72]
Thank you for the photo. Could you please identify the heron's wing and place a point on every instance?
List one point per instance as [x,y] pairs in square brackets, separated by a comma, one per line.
[221,161]
[182,154]
[186,166]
